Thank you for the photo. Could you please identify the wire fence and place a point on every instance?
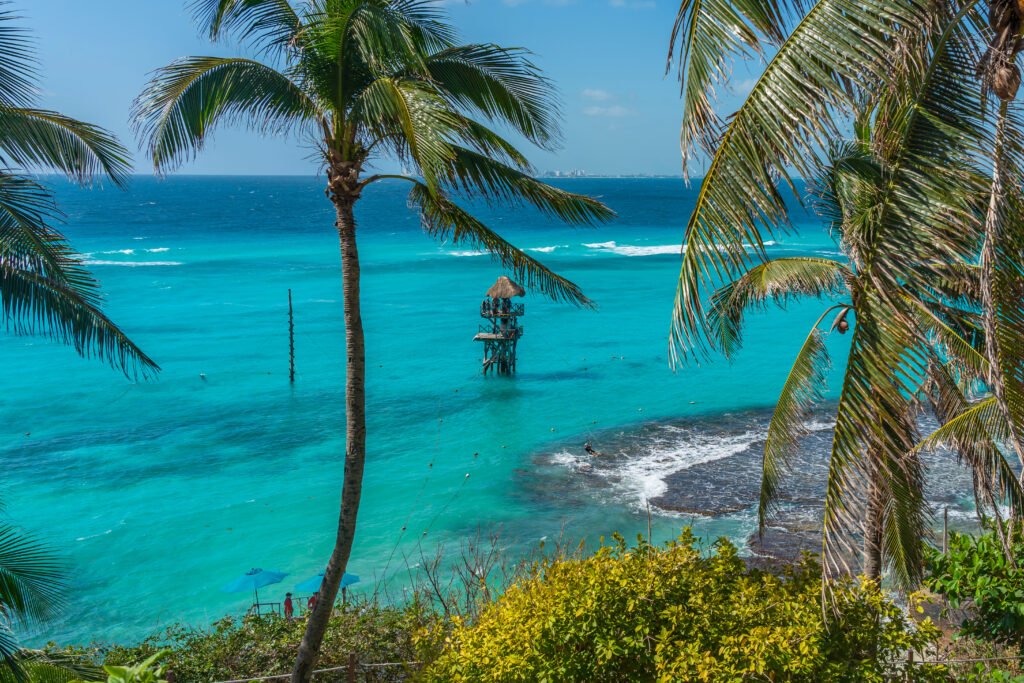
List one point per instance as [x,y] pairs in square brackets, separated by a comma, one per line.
[352,670]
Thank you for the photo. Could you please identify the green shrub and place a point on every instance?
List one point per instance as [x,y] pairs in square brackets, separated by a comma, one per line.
[975,574]
[674,614]
[242,648]
[146,671]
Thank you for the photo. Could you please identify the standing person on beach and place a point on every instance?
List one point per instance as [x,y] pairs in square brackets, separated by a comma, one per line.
[370,84]
[289,608]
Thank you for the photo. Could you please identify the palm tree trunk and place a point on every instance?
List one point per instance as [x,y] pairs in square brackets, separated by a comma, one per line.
[993,229]
[355,444]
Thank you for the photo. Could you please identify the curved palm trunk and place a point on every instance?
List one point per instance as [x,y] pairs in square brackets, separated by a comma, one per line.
[355,445]
[993,229]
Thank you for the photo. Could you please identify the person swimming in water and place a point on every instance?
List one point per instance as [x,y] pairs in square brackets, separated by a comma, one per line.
[590,450]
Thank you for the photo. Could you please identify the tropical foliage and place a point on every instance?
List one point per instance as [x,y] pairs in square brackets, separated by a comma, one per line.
[361,81]
[975,574]
[681,614]
[44,288]
[881,103]
[237,649]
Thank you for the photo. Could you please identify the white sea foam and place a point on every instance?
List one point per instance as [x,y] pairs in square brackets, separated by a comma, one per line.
[468,252]
[636,479]
[652,249]
[131,264]
[819,425]
[158,250]
[119,251]
[547,250]
[634,249]
[86,538]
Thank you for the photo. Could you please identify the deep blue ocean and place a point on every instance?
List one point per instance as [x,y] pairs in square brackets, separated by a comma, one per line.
[160,492]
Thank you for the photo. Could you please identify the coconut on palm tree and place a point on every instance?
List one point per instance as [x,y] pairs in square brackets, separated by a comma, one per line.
[365,81]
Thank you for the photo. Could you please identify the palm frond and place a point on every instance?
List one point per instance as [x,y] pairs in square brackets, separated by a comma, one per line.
[44,288]
[803,389]
[777,280]
[443,219]
[18,68]
[973,432]
[31,577]
[269,24]
[502,85]
[413,120]
[476,174]
[710,33]
[875,431]
[186,100]
[35,139]
[39,666]
[778,133]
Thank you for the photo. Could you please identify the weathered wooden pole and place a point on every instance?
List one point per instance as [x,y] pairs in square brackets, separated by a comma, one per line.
[945,530]
[291,339]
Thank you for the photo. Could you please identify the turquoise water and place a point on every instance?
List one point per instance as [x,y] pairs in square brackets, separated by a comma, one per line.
[161,492]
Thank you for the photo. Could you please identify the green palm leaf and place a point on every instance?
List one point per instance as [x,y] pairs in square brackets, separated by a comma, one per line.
[501,84]
[186,100]
[17,62]
[709,33]
[272,23]
[777,134]
[443,219]
[38,139]
[44,288]
[800,393]
[476,174]
[777,280]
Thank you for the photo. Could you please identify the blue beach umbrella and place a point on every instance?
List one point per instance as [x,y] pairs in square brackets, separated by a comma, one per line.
[312,584]
[253,580]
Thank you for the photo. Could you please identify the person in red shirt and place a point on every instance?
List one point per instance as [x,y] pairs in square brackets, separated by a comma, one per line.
[289,608]
[311,603]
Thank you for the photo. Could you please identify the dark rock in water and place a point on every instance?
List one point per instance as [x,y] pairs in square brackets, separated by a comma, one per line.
[794,530]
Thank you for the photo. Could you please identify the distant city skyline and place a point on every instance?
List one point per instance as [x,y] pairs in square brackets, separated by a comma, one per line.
[607,58]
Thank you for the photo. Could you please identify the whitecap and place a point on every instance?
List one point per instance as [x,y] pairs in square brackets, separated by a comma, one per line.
[547,250]
[470,252]
[158,250]
[119,251]
[132,264]
[636,479]
[635,250]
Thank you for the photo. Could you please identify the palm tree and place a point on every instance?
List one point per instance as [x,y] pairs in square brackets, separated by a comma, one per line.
[44,287]
[907,198]
[364,80]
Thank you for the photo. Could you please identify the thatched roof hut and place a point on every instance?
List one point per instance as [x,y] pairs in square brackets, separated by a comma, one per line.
[504,288]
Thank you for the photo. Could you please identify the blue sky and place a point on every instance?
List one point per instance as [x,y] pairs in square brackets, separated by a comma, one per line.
[607,57]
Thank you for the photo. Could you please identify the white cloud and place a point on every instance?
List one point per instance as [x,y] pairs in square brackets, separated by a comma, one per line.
[742,87]
[596,94]
[614,111]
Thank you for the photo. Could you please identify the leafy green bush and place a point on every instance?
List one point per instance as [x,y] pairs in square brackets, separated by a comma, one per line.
[238,649]
[975,574]
[675,614]
[146,671]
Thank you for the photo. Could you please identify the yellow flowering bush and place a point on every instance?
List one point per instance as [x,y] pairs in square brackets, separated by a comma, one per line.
[677,614]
